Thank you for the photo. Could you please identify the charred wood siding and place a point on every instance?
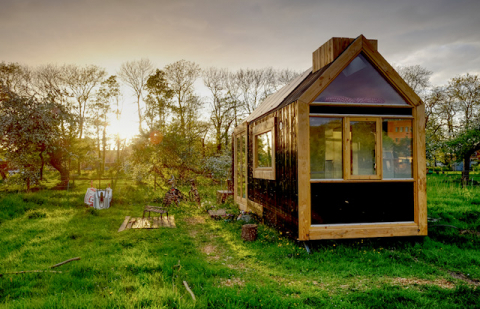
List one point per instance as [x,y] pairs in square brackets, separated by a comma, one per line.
[278,197]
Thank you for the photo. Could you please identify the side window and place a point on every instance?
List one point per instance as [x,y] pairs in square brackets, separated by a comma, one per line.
[264,150]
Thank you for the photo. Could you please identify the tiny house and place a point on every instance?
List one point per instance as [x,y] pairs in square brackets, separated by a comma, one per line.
[339,152]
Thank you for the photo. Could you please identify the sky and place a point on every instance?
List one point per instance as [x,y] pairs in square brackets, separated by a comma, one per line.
[440,35]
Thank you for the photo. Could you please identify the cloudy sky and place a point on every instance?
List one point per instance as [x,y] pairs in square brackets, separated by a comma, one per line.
[441,35]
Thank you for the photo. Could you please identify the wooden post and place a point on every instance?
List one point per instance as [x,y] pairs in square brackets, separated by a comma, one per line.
[249,232]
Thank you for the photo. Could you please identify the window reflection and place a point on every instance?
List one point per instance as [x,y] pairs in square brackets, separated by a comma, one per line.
[362,147]
[397,148]
[264,149]
[326,148]
[360,83]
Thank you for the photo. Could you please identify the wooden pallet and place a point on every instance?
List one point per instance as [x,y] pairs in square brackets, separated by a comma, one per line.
[147,223]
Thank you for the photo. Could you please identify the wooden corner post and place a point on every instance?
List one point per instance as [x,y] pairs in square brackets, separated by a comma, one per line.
[303,157]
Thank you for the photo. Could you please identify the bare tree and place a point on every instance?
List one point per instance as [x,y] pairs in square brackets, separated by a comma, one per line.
[135,74]
[417,77]
[222,116]
[464,92]
[81,82]
[181,76]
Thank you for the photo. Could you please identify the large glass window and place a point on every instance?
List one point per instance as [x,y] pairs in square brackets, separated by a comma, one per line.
[397,149]
[326,161]
[360,83]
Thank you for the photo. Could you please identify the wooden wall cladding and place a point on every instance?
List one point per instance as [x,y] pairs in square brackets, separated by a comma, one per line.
[279,198]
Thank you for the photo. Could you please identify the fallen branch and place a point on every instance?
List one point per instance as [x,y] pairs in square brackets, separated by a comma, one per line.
[189,291]
[31,271]
[42,271]
[65,262]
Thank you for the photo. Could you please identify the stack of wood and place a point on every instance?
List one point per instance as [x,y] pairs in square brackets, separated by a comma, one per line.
[249,232]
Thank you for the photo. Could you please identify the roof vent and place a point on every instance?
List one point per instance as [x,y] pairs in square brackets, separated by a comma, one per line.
[329,51]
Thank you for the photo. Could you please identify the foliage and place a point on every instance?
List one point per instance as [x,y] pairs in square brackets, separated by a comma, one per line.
[30,130]
[220,166]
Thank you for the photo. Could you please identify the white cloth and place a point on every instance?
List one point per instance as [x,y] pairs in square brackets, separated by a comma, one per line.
[102,199]
[90,196]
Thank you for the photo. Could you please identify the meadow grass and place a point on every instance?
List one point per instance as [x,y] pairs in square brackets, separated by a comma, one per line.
[146,268]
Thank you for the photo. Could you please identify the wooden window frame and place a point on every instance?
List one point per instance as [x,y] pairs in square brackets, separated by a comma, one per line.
[239,132]
[264,172]
[347,156]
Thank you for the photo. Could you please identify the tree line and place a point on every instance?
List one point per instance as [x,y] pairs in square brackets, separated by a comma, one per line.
[452,114]
[59,116]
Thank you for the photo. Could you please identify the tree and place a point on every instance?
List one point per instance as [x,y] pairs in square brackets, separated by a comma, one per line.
[222,107]
[417,77]
[31,128]
[81,83]
[108,94]
[464,97]
[135,74]
[181,76]
[157,101]
[464,93]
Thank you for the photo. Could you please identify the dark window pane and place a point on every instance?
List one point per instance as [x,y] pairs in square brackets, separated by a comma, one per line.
[360,83]
[337,203]
[397,149]
[326,148]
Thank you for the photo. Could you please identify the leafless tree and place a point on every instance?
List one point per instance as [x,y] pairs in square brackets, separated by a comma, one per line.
[222,107]
[417,77]
[181,76]
[81,82]
[135,74]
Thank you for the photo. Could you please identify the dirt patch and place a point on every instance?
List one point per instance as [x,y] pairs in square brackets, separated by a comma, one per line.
[442,283]
[211,252]
[464,278]
[195,220]
[232,282]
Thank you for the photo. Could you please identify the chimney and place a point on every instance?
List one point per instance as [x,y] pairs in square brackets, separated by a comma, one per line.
[329,51]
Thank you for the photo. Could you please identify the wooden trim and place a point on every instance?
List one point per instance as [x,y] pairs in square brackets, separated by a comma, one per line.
[378,149]
[242,202]
[420,169]
[240,128]
[361,180]
[303,157]
[261,128]
[361,44]
[390,74]
[356,115]
[360,105]
[255,207]
[346,148]
[364,231]
[332,71]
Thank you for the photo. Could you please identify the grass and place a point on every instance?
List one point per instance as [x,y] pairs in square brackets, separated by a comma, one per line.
[146,268]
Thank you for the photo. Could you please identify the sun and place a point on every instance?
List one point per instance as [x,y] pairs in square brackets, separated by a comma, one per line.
[126,126]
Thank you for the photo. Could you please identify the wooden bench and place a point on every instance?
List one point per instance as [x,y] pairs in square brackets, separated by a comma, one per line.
[160,210]
[223,194]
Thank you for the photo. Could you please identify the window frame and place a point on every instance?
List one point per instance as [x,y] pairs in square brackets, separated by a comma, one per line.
[347,156]
[347,177]
[258,129]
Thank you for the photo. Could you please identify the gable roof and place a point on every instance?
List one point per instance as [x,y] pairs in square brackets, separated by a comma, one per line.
[309,85]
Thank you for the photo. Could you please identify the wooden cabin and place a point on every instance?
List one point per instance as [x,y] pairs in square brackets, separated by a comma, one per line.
[339,152]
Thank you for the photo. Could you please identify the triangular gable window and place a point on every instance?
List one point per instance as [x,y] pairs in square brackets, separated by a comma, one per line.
[360,83]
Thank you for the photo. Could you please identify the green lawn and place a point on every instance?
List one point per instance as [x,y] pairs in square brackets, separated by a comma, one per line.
[146,268]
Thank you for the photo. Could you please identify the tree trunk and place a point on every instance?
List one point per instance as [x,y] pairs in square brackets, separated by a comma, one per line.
[56,160]
[42,165]
[466,169]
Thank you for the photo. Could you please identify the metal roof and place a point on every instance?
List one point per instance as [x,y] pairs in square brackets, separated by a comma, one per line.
[274,100]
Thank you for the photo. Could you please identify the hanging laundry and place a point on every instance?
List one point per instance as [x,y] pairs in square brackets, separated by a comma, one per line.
[90,195]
